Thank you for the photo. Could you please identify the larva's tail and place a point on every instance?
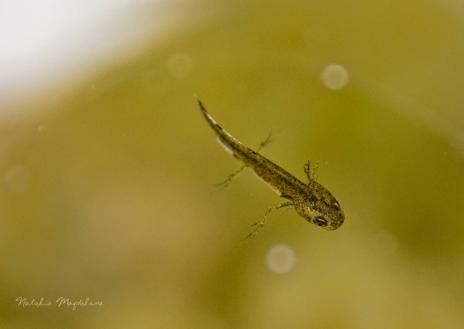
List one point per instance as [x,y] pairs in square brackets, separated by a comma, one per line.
[216,127]
[226,140]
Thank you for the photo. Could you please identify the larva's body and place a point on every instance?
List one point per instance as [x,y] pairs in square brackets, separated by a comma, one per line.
[311,201]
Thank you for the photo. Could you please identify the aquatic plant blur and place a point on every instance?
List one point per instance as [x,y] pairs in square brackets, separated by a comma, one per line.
[107,192]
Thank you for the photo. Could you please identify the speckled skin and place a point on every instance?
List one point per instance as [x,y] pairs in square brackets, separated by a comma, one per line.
[311,201]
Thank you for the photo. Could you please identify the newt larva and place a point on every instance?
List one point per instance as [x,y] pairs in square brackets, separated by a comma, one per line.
[311,201]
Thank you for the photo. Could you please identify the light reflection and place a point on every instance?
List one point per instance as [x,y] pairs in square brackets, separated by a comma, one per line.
[17,179]
[335,77]
[179,65]
[50,44]
[280,259]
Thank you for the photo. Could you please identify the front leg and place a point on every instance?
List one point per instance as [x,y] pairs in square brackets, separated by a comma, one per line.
[259,225]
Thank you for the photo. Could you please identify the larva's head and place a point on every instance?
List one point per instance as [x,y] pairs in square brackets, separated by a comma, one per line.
[321,208]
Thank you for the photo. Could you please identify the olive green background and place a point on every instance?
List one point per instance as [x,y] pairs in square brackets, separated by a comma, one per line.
[119,203]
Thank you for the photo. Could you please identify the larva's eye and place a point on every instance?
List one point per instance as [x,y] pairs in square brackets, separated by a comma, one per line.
[320,221]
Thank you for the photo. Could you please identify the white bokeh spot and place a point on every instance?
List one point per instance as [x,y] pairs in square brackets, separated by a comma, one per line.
[17,179]
[385,242]
[335,76]
[179,65]
[41,129]
[458,143]
[280,259]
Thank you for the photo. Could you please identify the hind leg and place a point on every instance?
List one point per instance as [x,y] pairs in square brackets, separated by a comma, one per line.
[265,142]
[231,177]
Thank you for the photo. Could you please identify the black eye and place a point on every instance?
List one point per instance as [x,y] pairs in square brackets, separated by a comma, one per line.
[320,221]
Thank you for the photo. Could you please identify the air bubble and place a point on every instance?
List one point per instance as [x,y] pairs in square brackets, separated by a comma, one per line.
[385,242]
[179,65]
[17,179]
[280,259]
[334,77]
[41,129]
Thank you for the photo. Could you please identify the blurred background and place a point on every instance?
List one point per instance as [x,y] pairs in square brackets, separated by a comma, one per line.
[107,167]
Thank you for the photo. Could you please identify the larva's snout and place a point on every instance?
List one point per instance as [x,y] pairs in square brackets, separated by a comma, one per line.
[329,218]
